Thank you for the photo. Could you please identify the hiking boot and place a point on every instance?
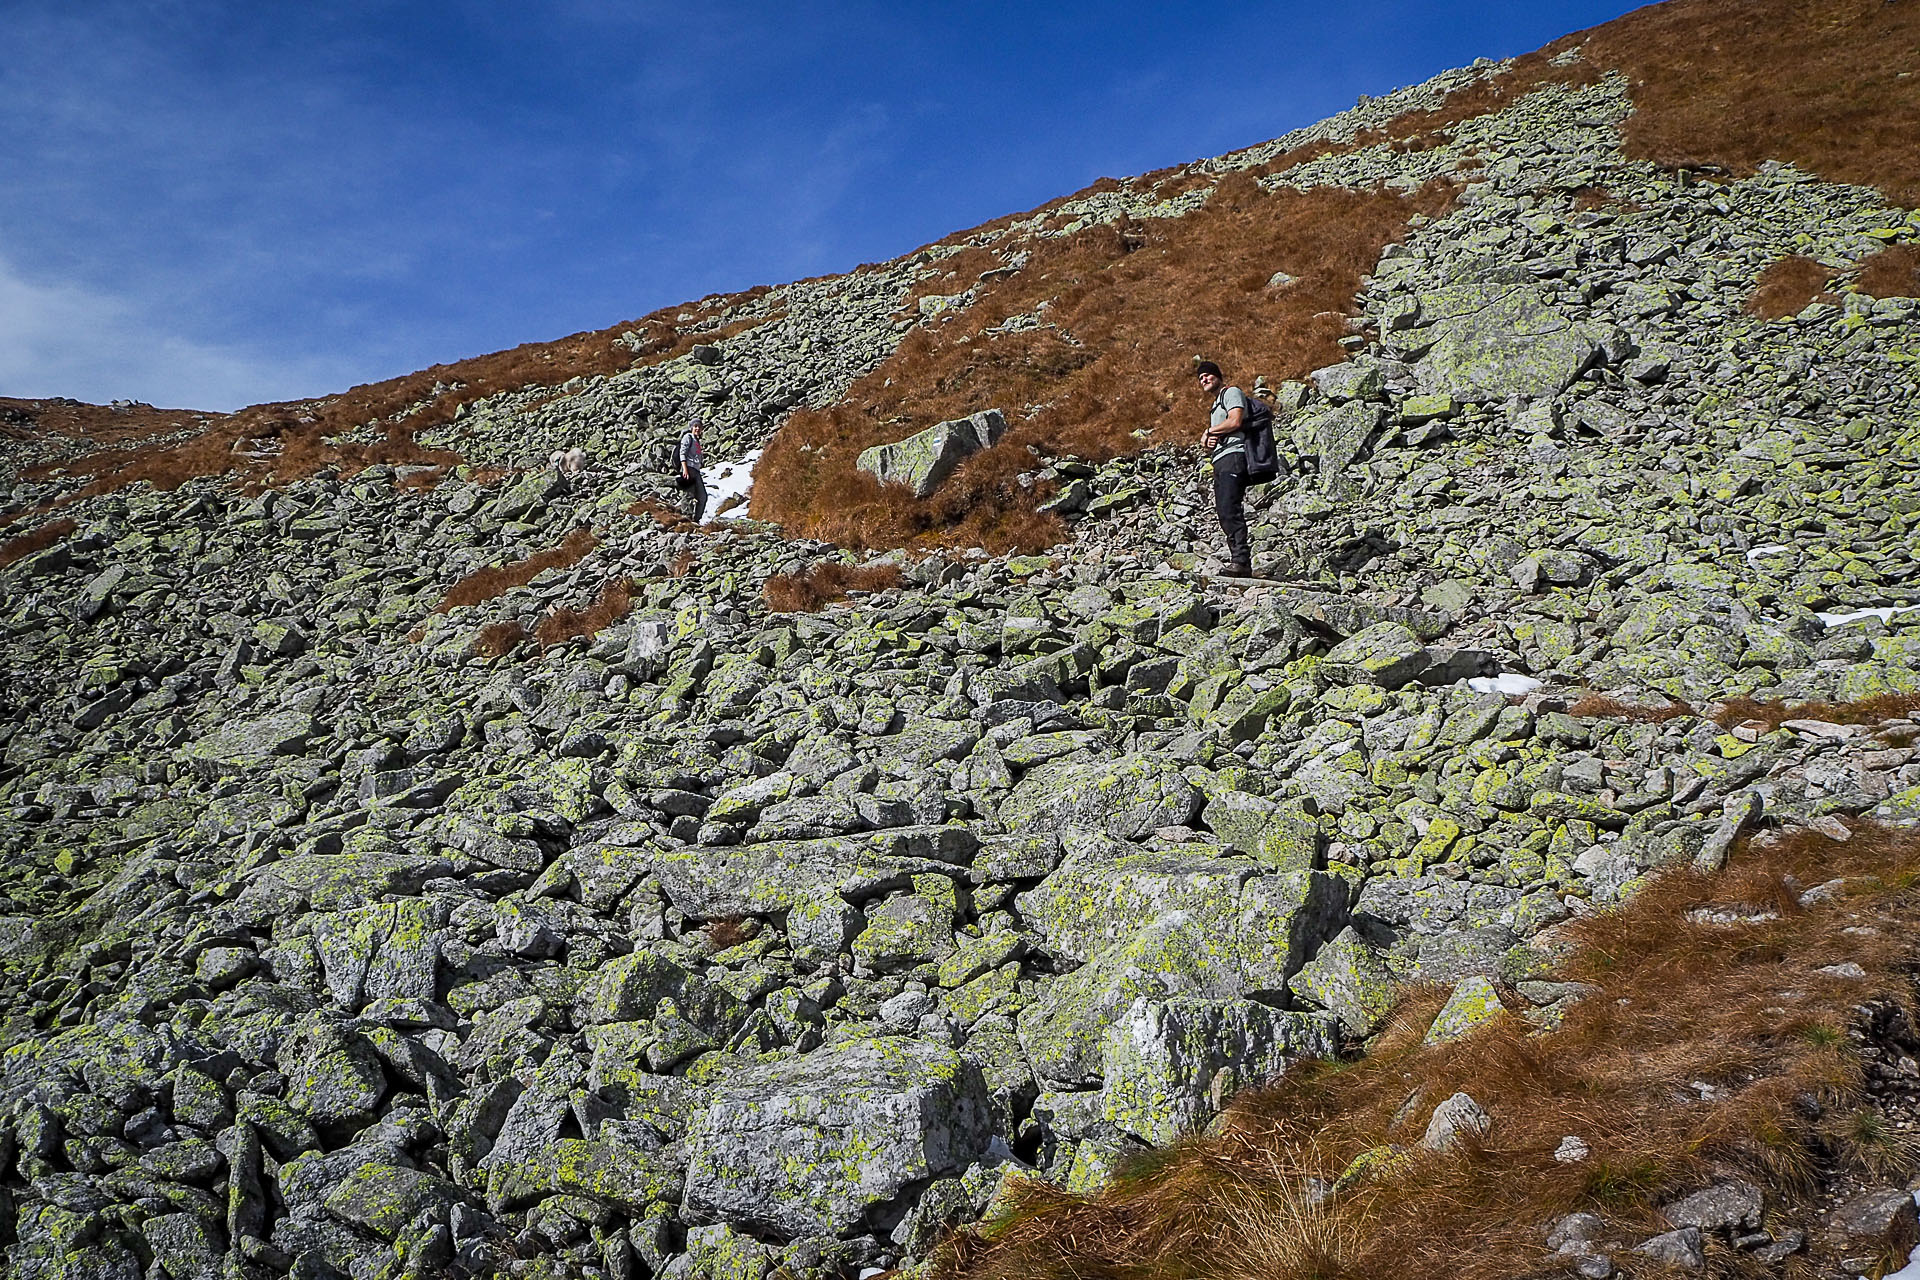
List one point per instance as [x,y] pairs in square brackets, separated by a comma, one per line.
[1240,571]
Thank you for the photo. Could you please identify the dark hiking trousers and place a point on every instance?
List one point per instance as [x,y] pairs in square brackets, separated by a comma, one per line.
[1229,503]
[696,487]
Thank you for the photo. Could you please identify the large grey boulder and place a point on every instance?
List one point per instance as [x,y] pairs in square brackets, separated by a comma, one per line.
[1262,924]
[926,458]
[1387,654]
[1129,797]
[1160,927]
[1171,1065]
[247,745]
[1348,980]
[810,1145]
[386,950]
[1493,339]
[711,881]
[1339,435]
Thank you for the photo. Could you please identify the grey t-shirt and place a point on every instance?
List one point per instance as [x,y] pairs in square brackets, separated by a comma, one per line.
[1229,399]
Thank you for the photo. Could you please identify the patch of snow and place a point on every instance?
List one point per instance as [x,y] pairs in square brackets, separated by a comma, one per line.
[1506,682]
[1770,549]
[1886,613]
[726,481]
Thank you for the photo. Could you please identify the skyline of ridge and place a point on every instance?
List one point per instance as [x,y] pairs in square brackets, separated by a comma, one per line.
[401,191]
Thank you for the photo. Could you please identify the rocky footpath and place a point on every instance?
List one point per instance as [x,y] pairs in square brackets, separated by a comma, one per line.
[725,941]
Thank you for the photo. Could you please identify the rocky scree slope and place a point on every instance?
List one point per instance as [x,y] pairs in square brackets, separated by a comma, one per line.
[720,940]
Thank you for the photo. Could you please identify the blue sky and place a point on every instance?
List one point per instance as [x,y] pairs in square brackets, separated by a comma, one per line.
[212,204]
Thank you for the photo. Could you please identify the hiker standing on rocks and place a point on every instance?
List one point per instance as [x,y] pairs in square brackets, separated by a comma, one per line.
[692,458]
[1226,441]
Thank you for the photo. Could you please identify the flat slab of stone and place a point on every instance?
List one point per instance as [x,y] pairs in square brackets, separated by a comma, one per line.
[924,459]
[711,881]
[1493,339]
[810,1145]
[1128,797]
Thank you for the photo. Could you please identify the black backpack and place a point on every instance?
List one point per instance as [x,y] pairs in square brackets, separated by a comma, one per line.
[1263,456]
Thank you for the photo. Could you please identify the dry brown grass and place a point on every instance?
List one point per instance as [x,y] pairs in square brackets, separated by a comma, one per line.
[1736,711]
[275,444]
[1597,706]
[14,550]
[1742,1007]
[610,604]
[1868,711]
[498,639]
[1894,272]
[496,580]
[1731,83]
[1788,287]
[665,516]
[1135,304]
[96,423]
[682,564]
[422,481]
[729,931]
[824,582]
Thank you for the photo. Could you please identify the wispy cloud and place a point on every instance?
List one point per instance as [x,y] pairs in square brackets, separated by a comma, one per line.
[61,339]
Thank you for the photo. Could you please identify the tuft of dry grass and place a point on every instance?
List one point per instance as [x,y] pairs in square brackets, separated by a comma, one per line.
[729,931]
[610,604]
[422,481]
[1788,287]
[1597,706]
[1744,1007]
[498,639]
[495,581]
[1731,83]
[1877,710]
[1126,309]
[1894,272]
[824,582]
[682,564]
[665,516]
[14,550]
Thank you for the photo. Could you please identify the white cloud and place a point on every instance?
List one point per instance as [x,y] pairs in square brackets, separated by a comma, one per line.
[60,339]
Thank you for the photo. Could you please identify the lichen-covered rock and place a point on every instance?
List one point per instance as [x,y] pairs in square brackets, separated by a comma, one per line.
[1170,1065]
[385,1199]
[709,882]
[1204,935]
[1498,339]
[1348,980]
[923,460]
[909,929]
[1128,797]
[1264,922]
[1473,1004]
[1338,435]
[1387,654]
[812,1145]
[388,950]
[333,1074]
[251,744]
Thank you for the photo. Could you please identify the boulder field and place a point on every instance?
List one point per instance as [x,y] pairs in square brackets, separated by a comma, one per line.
[335,942]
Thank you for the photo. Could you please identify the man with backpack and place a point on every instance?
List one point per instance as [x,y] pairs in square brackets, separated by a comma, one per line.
[1239,441]
[690,459]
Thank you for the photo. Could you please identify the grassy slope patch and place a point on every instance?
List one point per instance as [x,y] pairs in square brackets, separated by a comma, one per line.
[1719,980]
